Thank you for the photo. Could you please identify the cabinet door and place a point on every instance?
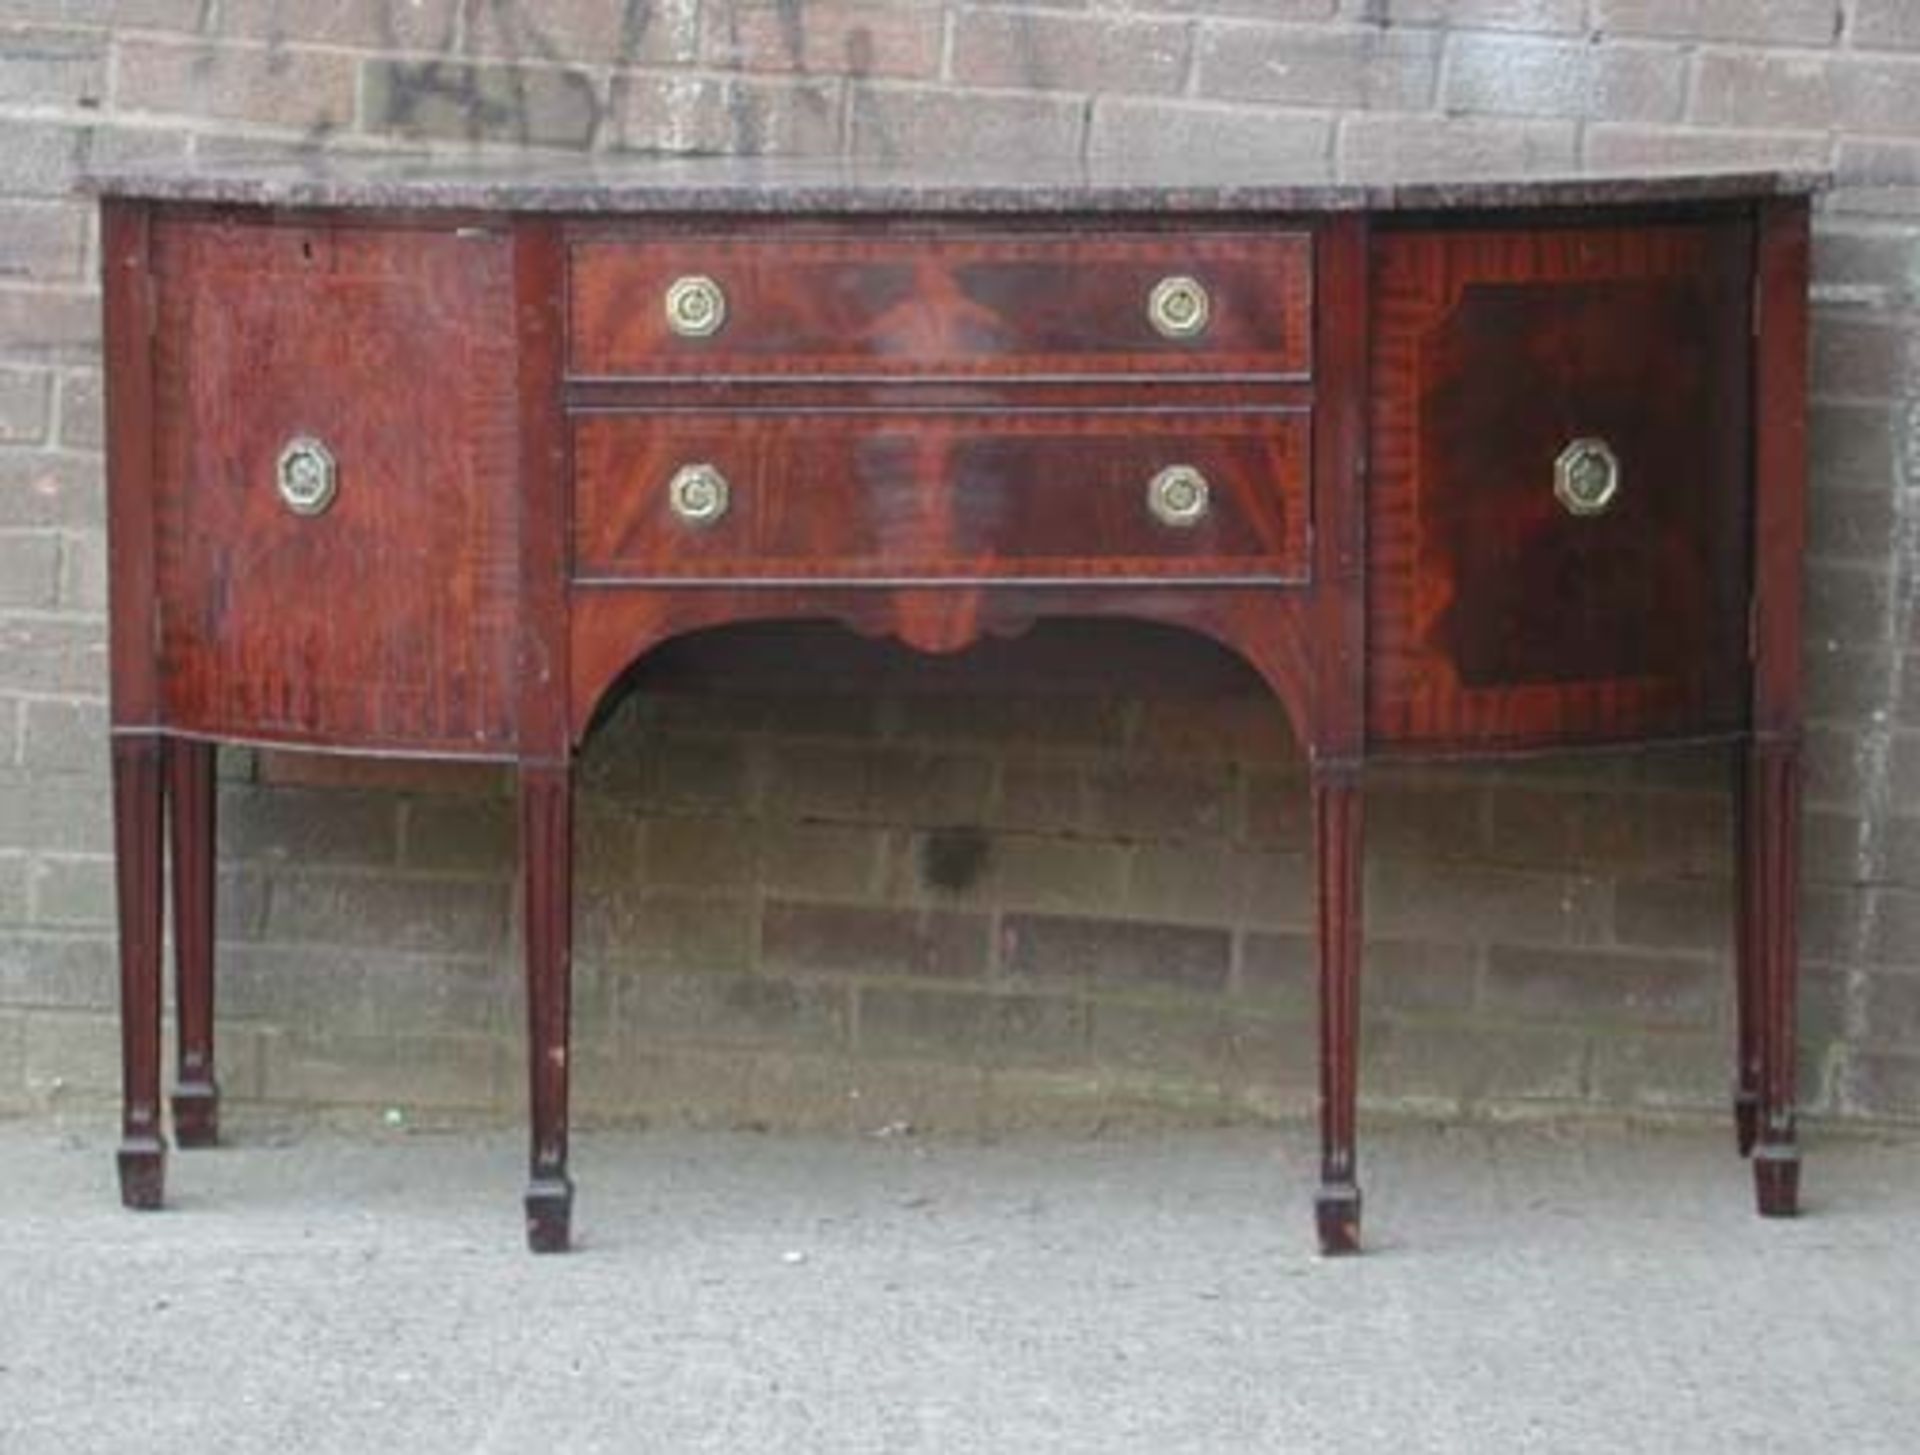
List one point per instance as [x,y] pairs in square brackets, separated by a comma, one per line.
[386,618]
[1557,509]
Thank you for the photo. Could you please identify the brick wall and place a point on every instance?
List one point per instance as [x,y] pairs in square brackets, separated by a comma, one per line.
[856,909]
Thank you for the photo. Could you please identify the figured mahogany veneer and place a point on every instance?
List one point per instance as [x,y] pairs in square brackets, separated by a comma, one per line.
[942,302]
[390,621]
[1476,482]
[865,495]
[1494,614]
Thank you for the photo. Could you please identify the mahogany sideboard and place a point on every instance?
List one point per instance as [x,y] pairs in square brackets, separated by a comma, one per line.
[420,458]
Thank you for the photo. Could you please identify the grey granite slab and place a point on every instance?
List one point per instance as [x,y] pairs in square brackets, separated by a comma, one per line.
[532,182]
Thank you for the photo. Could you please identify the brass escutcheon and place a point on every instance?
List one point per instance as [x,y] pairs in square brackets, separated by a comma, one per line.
[1177,496]
[695,306]
[698,494]
[1179,307]
[1586,477]
[306,476]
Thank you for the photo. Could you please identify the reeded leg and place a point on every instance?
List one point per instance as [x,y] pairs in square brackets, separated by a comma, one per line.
[1770,870]
[1337,872]
[138,801]
[1746,970]
[190,812]
[546,867]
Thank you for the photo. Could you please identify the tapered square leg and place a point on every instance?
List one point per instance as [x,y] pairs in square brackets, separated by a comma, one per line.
[1769,871]
[138,803]
[1746,976]
[546,868]
[190,814]
[1337,823]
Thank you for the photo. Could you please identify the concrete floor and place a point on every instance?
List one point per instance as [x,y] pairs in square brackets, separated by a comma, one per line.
[1559,1290]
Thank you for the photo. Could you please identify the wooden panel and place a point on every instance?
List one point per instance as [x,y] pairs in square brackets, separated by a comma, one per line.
[388,621]
[901,496]
[1495,615]
[1339,487]
[545,491]
[126,286]
[614,627]
[1780,464]
[900,305]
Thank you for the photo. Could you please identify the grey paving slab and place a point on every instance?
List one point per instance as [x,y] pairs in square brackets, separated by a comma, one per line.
[1560,1289]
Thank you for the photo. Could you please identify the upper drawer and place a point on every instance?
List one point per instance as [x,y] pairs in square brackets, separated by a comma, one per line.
[892,306]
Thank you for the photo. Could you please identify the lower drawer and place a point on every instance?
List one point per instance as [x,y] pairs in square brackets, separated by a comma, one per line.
[865,495]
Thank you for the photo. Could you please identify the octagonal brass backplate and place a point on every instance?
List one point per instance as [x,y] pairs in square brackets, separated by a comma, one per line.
[306,476]
[698,494]
[1178,496]
[696,306]
[1179,307]
[1586,477]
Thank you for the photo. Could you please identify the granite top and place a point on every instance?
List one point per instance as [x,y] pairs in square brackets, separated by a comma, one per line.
[534,182]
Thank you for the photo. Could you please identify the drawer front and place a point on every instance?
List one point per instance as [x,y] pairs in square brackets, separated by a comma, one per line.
[1558,516]
[891,306]
[870,496]
[335,463]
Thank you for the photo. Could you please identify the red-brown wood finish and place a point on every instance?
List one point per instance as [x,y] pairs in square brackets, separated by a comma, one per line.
[943,302]
[132,601]
[139,795]
[1337,740]
[139,785]
[390,620]
[895,495]
[546,746]
[1769,861]
[544,491]
[615,627]
[191,802]
[1747,989]
[941,432]
[546,869]
[1769,871]
[1338,813]
[1497,616]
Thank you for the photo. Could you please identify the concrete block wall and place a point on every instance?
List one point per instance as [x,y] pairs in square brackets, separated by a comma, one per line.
[853,910]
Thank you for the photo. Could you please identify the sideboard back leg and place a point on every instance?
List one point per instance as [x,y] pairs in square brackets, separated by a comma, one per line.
[546,867]
[1746,971]
[138,802]
[1771,874]
[190,813]
[1337,873]
[1771,852]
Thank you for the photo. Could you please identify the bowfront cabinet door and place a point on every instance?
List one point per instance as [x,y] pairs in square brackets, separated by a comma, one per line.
[1558,506]
[334,468]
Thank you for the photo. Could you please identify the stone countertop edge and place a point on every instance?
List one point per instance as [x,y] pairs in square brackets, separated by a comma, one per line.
[767,186]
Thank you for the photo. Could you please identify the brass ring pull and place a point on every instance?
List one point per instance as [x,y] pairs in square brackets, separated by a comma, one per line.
[1586,477]
[696,307]
[1179,307]
[1178,497]
[306,476]
[698,494]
